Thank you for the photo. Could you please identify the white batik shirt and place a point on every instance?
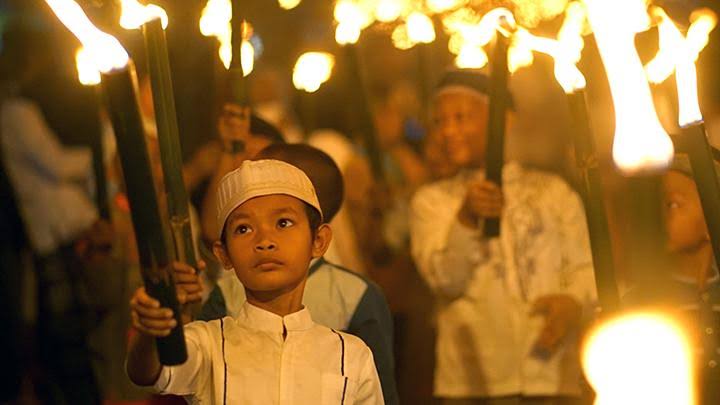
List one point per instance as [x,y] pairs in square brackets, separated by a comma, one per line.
[245,360]
[485,289]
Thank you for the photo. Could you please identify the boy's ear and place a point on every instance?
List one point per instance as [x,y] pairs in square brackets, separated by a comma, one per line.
[221,254]
[320,245]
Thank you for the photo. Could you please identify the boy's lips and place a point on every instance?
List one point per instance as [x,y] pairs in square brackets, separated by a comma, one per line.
[268,264]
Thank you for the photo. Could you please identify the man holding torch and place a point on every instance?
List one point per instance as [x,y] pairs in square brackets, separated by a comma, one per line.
[508,307]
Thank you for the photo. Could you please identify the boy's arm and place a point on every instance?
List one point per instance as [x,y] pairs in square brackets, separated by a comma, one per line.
[372,322]
[445,251]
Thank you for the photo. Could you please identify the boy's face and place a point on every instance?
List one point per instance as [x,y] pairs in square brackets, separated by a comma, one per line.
[684,217]
[461,122]
[269,244]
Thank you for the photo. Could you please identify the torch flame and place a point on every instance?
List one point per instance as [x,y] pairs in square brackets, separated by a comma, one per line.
[352,18]
[678,53]
[134,14]
[88,74]
[312,69]
[655,361]
[216,22]
[420,28]
[441,6]
[106,52]
[388,10]
[289,4]
[400,38]
[469,33]
[640,141]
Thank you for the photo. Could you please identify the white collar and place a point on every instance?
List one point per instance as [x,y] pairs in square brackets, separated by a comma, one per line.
[266,321]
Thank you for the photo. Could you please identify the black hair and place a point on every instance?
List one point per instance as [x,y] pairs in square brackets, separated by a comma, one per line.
[313,216]
[320,169]
[260,127]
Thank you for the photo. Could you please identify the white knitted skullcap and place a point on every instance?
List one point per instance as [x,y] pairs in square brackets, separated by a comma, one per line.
[259,178]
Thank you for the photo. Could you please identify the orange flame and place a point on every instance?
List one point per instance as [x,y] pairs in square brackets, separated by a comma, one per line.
[88,74]
[106,52]
[134,14]
[216,22]
[640,143]
[312,69]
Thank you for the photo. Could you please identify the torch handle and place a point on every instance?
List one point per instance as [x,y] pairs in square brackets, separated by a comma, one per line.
[594,202]
[169,139]
[153,242]
[703,168]
[495,152]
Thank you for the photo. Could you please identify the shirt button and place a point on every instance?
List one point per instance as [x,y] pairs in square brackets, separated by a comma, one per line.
[712,364]
[709,331]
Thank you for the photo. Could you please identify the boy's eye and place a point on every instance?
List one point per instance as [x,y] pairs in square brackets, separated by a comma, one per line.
[242,229]
[285,223]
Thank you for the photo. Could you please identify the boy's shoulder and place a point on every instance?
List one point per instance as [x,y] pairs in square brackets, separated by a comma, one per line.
[343,277]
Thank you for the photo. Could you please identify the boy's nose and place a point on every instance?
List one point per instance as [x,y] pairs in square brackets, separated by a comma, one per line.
[265,245]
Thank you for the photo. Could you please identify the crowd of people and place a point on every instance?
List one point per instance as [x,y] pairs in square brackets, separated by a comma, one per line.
[321,280]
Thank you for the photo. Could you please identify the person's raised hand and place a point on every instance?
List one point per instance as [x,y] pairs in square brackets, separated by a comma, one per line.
[148,317]
[234,127]
[484,199]
[187,282]
[562,315]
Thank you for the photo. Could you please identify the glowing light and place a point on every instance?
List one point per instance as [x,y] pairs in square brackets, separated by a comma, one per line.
[531,12]
[105,51]
[640,142]
[134,14]
[388,10]
[289,4]
[216,22]
[312,69]
[420,28]
[352,18]
[641,358]
[347,34]
[441,6]
[88,74]
[471,57]
[570,48]
[401,39]
[678,53]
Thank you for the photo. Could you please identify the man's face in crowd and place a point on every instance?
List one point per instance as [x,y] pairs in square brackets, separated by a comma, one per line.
[460,119]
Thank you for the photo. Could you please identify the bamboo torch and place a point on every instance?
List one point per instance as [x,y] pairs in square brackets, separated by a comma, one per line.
[641,148]
[119,88]
[153,20]
[679,53]
[223,19]
[89,76]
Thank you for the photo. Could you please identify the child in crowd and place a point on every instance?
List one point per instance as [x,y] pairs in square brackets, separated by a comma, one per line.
[338,298]
[694,288]
[270,228]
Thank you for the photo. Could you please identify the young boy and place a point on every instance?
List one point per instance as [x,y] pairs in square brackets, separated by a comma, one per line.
[271,227]
[338,298]
[508,308]
[693,289]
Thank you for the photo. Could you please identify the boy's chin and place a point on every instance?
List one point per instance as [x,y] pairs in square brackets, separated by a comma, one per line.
[275,281]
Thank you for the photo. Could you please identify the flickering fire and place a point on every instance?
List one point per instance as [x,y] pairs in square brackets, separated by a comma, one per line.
[641,143]
[312,69]
[389,10]
[289,4]
[441,6]
[135,14]
[641,358]
[216,22]
[420,28]
[469,33]
[88,75]
[678,53]
[352,18]
[105,50]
